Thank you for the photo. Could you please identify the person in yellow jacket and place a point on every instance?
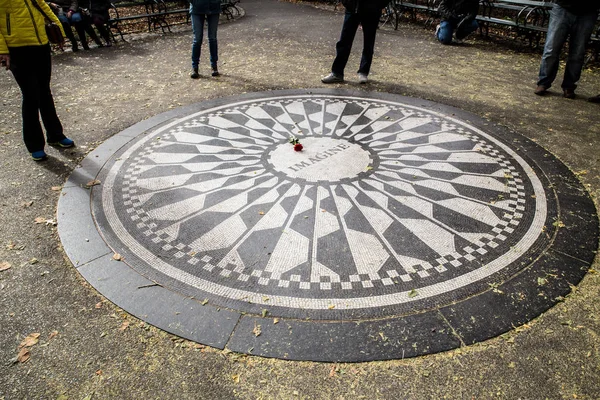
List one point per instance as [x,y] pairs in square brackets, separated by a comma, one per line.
[25,51]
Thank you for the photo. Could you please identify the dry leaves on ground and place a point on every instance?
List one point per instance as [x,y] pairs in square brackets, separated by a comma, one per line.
[256,329]
[4,266]
[30,341]
[92,183]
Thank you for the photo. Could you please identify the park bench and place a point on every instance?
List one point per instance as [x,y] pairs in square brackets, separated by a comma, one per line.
[526,18]
[156,14]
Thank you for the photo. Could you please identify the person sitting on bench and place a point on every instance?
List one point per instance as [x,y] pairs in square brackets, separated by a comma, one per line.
[458,18]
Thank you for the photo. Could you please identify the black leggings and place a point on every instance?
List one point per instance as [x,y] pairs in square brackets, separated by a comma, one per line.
[32,68]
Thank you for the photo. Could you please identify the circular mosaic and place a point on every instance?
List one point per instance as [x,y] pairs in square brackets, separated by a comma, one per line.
[387,207]
[402,227]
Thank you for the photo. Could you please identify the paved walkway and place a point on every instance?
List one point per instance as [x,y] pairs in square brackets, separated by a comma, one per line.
[88,347]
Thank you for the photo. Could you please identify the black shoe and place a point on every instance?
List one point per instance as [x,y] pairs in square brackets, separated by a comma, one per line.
[569,93]
[195,74]
[595,99]
[541,90]
[215,72]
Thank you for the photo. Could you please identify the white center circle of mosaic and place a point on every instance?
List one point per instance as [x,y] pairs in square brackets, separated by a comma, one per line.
[322,159]
[387,203]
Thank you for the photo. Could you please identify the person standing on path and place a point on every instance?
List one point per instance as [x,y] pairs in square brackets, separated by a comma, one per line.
[205,10]
[458,17]
[25,51]
[365,13]
[572,19]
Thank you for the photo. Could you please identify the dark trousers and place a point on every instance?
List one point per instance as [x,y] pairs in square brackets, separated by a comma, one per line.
[32,68]
[369,22]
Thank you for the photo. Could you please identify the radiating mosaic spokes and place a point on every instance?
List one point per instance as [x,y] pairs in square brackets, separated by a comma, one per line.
[387,203]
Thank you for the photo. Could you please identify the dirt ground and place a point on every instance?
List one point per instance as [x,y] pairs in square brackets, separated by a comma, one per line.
[90,349]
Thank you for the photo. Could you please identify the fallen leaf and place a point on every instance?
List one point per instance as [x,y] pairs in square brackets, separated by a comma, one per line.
[413,293]
[332,371]
[30,340]
[331,306]
[261,213]
[99,372]
[56,188]
[275,321]
[204,302]
[264,313]
[541,281]
[256,330]
[98,305]
[236,378]
[23,355]
[26,204]
[117,257]
[52,335]
[4,266]
[39,220]
[92,183]
[124,326]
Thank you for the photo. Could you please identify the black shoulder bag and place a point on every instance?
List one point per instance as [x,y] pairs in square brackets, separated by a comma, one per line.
[53,31]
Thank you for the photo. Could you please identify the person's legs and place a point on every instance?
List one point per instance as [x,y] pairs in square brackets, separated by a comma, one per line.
[558,30]
[579,35]
[100,23]
[54,129]
[344,45]
[369,22]
[68,31]
[77,21]
[26,75]
[89,29]
[465,28]
[198,31]
[445,31]
[213,24]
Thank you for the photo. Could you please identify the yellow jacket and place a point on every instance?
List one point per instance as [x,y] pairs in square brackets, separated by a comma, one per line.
[22,24]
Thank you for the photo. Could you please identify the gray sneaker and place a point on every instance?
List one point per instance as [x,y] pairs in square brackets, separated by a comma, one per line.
[362,78]
[332,78]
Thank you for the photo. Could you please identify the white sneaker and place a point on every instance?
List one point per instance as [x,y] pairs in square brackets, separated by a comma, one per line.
[437,29]
[362,78]
[332,78]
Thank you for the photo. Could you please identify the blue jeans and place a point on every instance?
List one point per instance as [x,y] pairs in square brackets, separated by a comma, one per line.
[75,18]
[447,28]
[198,31]
[578,29]
[369,22]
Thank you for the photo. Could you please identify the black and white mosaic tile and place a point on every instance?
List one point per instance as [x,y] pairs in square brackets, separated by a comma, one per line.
[396,212]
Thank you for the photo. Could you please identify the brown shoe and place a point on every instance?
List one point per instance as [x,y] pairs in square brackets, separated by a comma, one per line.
[541,90]
[595,99]
[569,93]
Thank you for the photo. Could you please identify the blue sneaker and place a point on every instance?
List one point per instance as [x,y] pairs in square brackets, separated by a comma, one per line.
[64,143]
[39,155]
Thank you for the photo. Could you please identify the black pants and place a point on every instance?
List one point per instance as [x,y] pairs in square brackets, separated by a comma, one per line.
[32,68]
[369,22]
